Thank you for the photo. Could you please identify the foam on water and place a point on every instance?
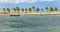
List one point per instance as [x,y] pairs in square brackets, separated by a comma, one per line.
[30,24]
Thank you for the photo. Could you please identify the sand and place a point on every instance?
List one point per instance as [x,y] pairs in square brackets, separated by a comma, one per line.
[29,13]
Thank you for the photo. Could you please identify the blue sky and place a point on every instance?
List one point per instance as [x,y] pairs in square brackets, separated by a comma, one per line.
[29,3]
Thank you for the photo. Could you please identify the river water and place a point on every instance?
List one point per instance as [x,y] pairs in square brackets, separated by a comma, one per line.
[29,23]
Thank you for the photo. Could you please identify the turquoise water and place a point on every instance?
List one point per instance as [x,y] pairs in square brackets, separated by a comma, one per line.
[30,24]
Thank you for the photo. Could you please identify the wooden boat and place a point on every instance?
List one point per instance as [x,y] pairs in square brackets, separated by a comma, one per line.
[14,15]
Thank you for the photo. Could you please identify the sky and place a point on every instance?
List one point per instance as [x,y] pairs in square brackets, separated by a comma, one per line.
[29,3]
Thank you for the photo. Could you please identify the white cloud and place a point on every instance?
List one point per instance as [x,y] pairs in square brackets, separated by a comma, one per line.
[17,1]
[28,1]
[47,0]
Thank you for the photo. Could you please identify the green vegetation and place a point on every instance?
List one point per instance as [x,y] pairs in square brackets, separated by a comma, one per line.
[26,10]
[51,9]
[42,9]
[37,9]
[14,9]
[8,9]
[56,9]
[22,9]
[4,10]
[47,8]
[33,8]
[30,9]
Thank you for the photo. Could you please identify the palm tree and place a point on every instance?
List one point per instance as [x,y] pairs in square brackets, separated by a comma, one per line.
[17,9]
[42,9]
[14,9]
[30,9]
[46,8]
[26,10]
[55,9]
[37,9]
[51,8]
[8,9]
[4,10]
[33,8]
[22,9]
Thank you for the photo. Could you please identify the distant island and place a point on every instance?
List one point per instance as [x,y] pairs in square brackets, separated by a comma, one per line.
[28,11]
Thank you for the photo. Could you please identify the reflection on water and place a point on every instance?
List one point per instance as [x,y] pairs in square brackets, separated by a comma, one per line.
[30,24]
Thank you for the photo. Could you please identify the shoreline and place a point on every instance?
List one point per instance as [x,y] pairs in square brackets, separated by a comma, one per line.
[29,13]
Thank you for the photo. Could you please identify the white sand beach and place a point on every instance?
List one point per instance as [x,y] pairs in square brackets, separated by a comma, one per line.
[29,13]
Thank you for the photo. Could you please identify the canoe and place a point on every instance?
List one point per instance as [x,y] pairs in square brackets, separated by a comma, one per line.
[14,15]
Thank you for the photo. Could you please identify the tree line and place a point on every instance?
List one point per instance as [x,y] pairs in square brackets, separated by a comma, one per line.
[33,8]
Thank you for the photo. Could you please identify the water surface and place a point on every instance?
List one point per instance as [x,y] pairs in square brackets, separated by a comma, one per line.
[30,24]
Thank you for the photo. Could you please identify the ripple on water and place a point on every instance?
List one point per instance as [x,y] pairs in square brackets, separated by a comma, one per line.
[30,24]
